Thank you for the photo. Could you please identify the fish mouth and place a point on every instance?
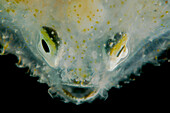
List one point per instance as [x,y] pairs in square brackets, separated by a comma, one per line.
[79,93]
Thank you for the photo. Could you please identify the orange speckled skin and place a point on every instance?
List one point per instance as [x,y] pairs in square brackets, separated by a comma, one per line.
[90,45]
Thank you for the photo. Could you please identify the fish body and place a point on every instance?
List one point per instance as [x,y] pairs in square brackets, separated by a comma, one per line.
[82,48]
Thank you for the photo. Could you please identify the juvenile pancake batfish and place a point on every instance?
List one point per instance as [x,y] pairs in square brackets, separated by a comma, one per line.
[83,48]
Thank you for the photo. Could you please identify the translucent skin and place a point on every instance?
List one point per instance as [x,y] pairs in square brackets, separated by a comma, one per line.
[77,58]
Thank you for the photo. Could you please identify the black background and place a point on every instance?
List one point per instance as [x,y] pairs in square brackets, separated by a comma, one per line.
[19,90]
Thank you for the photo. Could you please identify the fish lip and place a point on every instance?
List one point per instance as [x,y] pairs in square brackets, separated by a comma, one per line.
[89,93]
[78,85]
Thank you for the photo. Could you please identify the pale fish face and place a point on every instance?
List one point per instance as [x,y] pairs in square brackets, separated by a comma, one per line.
[85,53]
[81,48]
[82,62]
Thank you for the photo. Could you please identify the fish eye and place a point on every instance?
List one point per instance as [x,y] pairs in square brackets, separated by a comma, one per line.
[49,41]
[48,45]
[117,49]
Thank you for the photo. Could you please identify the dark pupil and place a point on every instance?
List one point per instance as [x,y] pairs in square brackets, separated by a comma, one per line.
[45,46]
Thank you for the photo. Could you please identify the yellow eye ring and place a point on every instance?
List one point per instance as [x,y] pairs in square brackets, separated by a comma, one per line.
[49,41]
[122,43]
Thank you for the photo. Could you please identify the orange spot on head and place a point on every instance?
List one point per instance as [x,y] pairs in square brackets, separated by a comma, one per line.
[71,37]
[97,22]
[78,21]
[162,16]
[8,10]
[122,2]
[84,30]
[154,17]
[13,10]
[34,15]
[68,30]
[36,10]
[80,5]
